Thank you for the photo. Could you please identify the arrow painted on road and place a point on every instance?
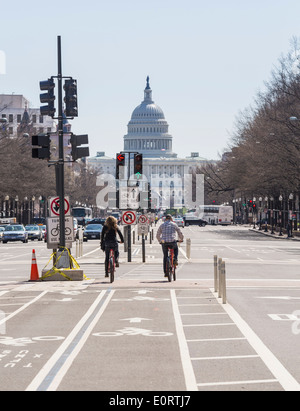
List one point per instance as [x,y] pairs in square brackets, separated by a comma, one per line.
[136,320]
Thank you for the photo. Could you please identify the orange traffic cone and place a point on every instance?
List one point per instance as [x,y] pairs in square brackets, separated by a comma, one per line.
[34,268]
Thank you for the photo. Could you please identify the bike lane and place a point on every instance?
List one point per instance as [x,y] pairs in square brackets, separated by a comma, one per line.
[133,347]
[34,325]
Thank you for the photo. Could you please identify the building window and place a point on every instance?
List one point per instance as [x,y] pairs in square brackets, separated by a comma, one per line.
[41,119]
[19,118]
[11,118]
[34,118]
[11,130]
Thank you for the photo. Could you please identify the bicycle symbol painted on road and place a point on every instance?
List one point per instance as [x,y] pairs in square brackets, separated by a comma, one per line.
[132,332]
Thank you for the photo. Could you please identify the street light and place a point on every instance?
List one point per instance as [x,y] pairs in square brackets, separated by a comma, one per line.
[280,213]
[267,214]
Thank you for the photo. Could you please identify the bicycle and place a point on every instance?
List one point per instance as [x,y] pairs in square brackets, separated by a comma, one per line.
[112,264]
[170,266]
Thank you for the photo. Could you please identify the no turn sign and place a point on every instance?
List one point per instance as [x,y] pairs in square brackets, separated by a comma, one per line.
[143,219]
[54,206]
[129,218]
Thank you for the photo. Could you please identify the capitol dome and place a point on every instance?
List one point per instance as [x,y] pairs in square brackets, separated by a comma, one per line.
[148,131]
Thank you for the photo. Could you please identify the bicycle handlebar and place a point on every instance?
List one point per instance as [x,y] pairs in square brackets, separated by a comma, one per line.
[168,242]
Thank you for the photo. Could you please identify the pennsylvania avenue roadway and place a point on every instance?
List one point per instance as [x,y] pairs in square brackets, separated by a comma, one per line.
[143,333]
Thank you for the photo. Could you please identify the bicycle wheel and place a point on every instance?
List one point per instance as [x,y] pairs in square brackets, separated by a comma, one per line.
[112,269]
[169,270]
[174,273]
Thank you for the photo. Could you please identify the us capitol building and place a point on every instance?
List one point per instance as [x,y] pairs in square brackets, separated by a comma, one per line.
[148,133]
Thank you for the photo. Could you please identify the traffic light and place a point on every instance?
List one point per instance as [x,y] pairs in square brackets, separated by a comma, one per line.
[42,149]
[138,165]
[120,162]
[149,197]
[76,142]
[48,98]
[70,99]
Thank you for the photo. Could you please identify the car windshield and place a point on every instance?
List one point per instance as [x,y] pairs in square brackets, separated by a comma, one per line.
[14,228]
[93,227]
[32,228]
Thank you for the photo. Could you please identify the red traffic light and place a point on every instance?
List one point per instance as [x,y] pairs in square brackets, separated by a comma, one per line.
[120,157]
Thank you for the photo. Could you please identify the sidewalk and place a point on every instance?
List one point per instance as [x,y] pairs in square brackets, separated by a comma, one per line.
[276,235]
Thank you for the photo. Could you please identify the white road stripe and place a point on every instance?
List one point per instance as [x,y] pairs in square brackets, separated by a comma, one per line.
[190,379]
[288,382]
[51,375]
[4,320]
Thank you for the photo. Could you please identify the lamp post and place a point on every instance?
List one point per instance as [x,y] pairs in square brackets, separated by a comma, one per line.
[260,213]
[280,215]
[267,214]
[254,212]
[290,224]
[272,214]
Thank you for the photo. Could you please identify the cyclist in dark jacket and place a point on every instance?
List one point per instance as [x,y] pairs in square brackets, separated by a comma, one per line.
[109,240]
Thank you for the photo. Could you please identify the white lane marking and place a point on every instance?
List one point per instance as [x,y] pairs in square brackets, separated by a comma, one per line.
[288,382]
[4,320]
[51,375]
[190,379]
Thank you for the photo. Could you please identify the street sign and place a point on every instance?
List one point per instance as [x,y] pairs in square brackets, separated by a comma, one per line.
[54,206]
[53,232]
[143,227]
[129,198]
[129,218]
[143,219]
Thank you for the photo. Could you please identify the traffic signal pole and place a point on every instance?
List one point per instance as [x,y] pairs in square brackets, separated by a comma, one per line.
[59,169]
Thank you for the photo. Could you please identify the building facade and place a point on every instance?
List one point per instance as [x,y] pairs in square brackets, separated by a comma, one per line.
[21,119]
[148,133]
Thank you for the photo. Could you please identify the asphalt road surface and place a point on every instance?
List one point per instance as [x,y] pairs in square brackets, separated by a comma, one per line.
[143,333]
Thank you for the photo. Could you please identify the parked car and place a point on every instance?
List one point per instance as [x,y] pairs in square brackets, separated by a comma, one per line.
[179,221]
[15,232]
[194,221]
[92,231]
[2,229]
[35,232]
[97,221]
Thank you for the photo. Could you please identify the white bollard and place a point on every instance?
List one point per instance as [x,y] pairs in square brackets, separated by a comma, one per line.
[216,273]
[224,291]
[188,248]
[219,278]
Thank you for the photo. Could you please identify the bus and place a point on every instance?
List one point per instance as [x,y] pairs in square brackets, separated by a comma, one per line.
[83,214]
[225,215]
[216,214]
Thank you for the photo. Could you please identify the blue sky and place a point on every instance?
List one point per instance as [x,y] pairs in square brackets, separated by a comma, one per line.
[206,61]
